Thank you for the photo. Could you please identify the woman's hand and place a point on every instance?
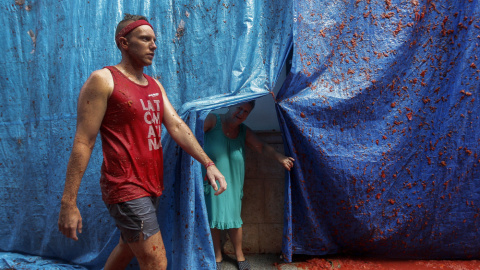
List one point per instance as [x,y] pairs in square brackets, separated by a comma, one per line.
[287,162]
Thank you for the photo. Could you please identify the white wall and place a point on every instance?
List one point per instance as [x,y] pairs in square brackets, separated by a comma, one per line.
[263,117]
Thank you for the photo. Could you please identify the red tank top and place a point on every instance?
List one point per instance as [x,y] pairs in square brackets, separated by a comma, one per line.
[131,131]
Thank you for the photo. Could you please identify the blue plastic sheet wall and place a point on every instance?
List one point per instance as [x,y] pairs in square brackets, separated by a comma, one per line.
[210,54]
[381,114]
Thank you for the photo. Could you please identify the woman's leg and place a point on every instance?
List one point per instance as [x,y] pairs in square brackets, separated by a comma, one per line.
[217,245]
[236,238]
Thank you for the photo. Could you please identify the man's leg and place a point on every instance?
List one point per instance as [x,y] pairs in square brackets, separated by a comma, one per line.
[120,257]
[236,238]
[217,245]
[137,220]
[150,253]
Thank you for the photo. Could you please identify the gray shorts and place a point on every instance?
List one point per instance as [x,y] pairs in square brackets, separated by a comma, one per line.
[135,216]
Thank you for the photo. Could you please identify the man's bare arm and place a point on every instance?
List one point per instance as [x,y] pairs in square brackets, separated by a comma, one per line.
[185,138]
[91,107]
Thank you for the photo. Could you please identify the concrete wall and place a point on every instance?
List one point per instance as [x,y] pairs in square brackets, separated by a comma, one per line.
[262,207]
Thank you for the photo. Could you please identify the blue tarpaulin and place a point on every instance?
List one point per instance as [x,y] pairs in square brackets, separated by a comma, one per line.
[381,112]
[210,54]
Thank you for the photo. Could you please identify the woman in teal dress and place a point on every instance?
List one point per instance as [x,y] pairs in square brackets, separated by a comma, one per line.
[224,142]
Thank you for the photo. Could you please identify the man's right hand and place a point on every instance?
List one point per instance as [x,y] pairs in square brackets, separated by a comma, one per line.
[212,175]
[69,221]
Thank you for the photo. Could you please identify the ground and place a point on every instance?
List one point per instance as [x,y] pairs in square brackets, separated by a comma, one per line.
[274,262]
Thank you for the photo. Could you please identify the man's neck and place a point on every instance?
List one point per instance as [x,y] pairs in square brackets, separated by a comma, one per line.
[133,72]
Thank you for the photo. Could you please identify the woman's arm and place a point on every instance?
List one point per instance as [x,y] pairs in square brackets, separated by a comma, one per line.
[254,143]
[210,122]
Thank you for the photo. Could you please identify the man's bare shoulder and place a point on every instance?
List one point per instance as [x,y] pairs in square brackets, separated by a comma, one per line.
[159,84]
[100,80]
[102,75]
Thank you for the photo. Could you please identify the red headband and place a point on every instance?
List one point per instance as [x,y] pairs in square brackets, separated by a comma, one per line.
[129,28]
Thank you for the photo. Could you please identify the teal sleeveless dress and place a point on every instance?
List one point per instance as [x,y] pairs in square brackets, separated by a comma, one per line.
[229,156]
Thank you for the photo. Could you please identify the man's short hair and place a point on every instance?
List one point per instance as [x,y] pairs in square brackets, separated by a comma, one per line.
[128,19]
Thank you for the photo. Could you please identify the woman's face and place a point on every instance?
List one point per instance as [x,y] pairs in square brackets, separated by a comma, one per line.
[239,113]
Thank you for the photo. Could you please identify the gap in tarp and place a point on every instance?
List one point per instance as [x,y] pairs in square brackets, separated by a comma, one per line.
[381,114]
[209,55]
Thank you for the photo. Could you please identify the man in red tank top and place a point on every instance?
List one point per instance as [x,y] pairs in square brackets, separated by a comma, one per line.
[128,108]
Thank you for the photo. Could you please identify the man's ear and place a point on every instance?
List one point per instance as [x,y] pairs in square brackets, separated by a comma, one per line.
[123,43]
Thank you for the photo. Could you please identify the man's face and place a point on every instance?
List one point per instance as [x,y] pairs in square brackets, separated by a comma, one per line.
[141,45]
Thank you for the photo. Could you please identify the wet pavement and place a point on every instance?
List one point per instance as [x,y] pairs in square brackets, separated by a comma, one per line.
[257,261]
[274,262]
